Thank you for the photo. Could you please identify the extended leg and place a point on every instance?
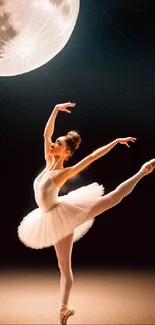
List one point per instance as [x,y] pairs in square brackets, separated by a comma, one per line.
[113,198]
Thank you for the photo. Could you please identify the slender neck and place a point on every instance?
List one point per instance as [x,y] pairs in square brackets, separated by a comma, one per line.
[57,163]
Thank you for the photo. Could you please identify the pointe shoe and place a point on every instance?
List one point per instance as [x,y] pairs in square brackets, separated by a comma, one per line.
[67,313]
[148,167]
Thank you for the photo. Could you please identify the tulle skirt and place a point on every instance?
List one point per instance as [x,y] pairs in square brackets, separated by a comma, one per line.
[40,229]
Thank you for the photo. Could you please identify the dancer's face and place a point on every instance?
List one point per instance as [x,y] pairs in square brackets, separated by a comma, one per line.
[59,148]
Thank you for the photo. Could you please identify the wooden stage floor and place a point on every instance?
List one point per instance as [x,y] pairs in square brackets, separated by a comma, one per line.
[98,297]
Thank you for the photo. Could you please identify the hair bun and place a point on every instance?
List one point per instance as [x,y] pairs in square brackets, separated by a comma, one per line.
[75,137]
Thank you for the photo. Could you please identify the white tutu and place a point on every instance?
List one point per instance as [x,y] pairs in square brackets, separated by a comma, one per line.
[41,229]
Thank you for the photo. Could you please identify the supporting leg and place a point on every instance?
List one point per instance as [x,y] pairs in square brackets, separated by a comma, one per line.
[63,251]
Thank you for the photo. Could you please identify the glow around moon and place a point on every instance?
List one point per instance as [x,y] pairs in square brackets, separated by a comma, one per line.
[32,32]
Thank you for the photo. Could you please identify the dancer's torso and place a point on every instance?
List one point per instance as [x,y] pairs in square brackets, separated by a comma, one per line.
[45,190]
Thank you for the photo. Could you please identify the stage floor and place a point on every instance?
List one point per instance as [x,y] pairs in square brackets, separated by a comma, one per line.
[98,297]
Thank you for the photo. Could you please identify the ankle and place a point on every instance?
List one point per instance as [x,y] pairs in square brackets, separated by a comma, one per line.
[63,308]
[142,173]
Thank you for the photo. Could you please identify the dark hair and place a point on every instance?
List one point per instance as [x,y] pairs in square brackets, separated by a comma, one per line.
[73,141]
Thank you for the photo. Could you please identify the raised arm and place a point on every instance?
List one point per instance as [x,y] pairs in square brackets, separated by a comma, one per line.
[49,128]
[73,170]
[48,132]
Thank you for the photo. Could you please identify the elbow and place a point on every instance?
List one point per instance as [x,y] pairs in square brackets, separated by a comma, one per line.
[46,135]
[92,157]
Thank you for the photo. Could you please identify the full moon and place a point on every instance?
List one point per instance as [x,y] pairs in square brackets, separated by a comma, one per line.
[32,32]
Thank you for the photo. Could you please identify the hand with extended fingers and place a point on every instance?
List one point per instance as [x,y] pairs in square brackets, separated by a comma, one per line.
[126,140]
[63,107]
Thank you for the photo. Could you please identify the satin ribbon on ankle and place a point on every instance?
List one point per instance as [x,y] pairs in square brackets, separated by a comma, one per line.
[63,304]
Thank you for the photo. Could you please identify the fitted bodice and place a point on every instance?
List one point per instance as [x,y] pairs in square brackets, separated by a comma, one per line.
[45,191]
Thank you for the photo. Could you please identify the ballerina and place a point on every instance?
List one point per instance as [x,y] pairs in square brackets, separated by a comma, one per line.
[62,220]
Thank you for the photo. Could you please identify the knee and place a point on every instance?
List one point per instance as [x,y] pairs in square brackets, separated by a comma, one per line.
[64,265]
[66,270]
[116,197]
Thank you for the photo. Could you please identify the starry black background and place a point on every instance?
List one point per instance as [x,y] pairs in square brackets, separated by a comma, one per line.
[108,69]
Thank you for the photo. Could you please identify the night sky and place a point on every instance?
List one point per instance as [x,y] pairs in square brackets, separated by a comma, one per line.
[108,69]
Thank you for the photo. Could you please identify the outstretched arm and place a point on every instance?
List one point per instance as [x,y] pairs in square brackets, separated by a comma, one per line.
[49,128]
[73,170]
